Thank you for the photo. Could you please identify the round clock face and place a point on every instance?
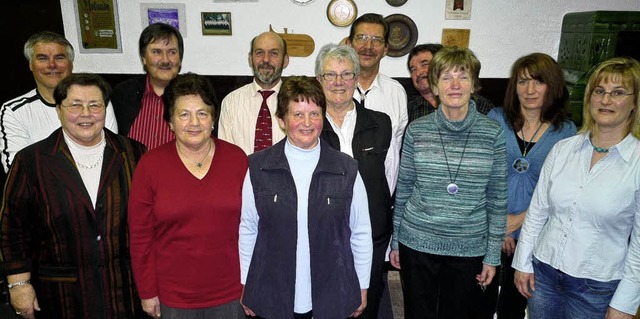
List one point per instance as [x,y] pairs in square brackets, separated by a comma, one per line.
[302,1]
[342,13]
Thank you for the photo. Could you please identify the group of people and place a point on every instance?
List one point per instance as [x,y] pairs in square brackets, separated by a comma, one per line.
[123,203]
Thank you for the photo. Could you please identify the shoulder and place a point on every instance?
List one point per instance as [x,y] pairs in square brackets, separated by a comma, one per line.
[132,84]
[123,143]
[242,91]
[230,149]
[21,101]
[390,83]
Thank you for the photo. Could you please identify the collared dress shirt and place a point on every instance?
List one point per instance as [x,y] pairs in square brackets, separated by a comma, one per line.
[585,221]
[239,113]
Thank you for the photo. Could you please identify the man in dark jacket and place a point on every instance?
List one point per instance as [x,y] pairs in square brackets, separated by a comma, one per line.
[137,102]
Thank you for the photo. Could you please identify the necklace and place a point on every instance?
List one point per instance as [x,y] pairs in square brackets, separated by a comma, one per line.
[94,165]
[452,188]
[524,140]
[598,149]
[198,163]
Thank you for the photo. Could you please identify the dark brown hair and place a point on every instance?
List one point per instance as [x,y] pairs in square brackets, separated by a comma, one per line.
[300,88]
[540,67]
[189,84]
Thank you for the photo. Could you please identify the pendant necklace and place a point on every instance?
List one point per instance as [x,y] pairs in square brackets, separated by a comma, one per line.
[199,163]
[452,188]
[521,164]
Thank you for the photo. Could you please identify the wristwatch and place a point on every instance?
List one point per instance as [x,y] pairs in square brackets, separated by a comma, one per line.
[341,13]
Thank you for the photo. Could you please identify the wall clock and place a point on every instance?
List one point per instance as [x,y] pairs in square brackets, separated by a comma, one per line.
[342,13]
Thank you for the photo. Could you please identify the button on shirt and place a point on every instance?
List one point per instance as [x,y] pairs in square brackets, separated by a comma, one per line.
[581,220]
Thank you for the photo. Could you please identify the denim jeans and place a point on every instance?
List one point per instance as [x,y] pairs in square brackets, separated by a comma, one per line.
[560,296]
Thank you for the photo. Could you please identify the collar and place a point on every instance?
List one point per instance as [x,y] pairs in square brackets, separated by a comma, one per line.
[255,88]
[625,148]
[457,126]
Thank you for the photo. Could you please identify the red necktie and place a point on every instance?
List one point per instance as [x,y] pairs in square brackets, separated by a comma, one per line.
[263,124]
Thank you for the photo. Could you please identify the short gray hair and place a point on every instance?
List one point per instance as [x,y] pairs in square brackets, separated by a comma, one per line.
[47,37]
[340,52]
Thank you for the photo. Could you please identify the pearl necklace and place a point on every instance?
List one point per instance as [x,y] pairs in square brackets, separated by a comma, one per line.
[198,163]
[94,165]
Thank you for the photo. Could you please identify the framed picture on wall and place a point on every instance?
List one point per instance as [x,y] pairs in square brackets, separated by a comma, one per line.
[216,23]
[169,13]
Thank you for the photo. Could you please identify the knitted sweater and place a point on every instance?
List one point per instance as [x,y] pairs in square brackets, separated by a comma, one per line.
[470,153]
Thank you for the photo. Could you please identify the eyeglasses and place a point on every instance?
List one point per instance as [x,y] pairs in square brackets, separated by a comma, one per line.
[615,94]
[77,108]
[346,76]
[362,39]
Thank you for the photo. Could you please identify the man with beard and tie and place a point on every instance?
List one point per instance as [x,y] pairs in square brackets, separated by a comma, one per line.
[240,114]
[426,103]
[137,101]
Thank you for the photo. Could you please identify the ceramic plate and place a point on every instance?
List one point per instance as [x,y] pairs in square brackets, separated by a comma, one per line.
[403,34]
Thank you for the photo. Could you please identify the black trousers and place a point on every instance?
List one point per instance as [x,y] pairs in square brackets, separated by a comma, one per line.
[507,301]
[439,287]
[376,283]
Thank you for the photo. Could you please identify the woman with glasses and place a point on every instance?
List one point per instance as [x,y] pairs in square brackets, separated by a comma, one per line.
[534,119]
[451,200]
[579,250]
[365,135]
[64,235]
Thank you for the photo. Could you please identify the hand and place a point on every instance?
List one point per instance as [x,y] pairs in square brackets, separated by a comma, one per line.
[24,301]
[246,309]
[509,245]
[394,258]
[152,307]
[612,313]
[525,283]
[486,276]
[363,296]
[514,222]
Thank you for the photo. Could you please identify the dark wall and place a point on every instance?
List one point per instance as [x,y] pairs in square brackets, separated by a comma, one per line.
[32,16]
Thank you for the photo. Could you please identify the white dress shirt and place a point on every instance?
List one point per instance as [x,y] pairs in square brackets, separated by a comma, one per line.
[239,113]
[585,221]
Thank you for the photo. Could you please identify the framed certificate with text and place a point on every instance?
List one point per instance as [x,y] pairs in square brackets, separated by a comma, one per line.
[98,27]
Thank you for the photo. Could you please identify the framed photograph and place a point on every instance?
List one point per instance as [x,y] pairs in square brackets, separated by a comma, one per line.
[458,10]
[169,13]
[216,23]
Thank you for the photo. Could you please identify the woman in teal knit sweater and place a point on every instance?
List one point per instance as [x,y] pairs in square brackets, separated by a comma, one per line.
[451,197]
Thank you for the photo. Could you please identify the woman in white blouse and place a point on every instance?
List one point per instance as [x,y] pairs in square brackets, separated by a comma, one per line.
[579,249]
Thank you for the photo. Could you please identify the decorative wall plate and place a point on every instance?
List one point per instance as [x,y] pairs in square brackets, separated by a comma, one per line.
[403,34]
[341,13]
[396,3]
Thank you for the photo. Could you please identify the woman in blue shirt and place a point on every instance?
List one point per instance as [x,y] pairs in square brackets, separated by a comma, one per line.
[579,249]
[534,119]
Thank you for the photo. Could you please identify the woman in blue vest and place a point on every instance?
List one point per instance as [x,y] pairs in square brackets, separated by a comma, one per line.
[305,235]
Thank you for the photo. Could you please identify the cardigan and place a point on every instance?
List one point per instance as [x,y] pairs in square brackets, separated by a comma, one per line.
[521,183]
[437,152]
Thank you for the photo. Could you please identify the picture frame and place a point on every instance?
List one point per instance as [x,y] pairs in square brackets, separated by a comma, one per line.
[169,13]
[216,23]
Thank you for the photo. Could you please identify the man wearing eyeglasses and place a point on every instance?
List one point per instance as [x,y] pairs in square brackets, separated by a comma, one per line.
[32,116]
[376,91]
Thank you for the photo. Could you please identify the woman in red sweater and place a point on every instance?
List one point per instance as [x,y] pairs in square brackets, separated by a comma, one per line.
[185,212]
